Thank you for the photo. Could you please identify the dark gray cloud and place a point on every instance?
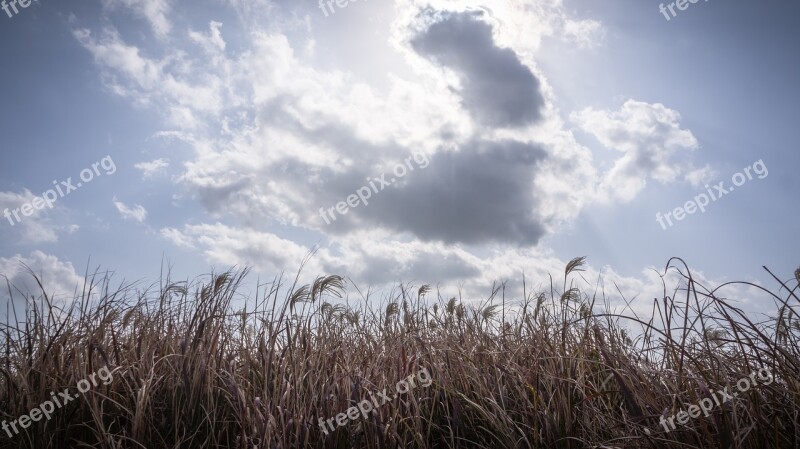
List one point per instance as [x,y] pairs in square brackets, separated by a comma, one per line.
[497,88]
[482,193]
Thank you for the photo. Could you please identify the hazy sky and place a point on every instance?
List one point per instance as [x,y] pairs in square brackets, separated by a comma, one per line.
[218,133]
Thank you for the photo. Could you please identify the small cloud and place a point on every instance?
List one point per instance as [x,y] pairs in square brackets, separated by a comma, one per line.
[152,168]
[154,11]
[584,33]
[35,228]
[700,176]
[212,42]
[136,213]
[177,238]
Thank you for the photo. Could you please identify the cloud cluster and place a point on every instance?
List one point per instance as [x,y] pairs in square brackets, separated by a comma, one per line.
[650,138]
[276,135]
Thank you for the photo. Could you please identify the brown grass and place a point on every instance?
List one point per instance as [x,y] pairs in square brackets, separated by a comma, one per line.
[193,371]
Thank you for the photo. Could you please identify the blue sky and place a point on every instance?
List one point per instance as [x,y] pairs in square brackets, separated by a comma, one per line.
[550,129]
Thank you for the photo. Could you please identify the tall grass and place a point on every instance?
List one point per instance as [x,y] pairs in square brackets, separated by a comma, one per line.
[554,370]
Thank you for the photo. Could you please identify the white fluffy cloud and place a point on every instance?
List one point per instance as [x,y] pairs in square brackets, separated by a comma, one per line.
[154,11]
[152,168]
[136,213]
[651,141]
[168,83]
[37,228]
[59,278]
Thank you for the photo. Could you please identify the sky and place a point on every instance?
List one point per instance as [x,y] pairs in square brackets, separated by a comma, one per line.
[453,143]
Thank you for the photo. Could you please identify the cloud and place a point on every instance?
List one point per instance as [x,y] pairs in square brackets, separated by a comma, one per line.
[700,176]
[177,238]
[482,193]
[522,25]
[59,278]
[136,213]
[372,257]
[231,246]
[584,33]
[151,168]
[171,82]
[496,87]
[154,11]
[34,229]
[651,141]
[213,42]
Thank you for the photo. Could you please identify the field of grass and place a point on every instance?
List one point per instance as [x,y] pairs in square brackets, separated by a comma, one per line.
[193,368]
